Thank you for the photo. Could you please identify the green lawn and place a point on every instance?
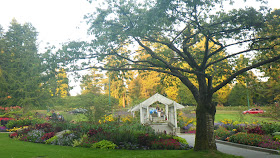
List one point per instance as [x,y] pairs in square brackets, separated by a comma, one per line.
[11,148]
[238,116]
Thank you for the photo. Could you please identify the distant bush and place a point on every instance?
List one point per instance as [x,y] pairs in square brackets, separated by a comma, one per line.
[270,128]
[24,122]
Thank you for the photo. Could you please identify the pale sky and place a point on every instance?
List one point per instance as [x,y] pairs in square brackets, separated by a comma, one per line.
[58,21]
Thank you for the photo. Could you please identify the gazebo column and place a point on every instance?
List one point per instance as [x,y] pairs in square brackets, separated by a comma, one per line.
[175,115]
[148,118]
[166,112]
[141,114]
[171,115]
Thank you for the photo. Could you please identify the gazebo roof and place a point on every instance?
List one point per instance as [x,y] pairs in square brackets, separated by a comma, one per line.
[157,97]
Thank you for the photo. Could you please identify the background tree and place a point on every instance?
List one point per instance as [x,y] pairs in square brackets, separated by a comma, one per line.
[272,71]
[92,83]
[198,37]
[20,66]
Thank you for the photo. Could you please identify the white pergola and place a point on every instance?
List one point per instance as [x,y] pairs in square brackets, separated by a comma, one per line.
[170,109]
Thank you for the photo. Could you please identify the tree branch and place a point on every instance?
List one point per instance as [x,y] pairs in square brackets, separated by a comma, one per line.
[244,70]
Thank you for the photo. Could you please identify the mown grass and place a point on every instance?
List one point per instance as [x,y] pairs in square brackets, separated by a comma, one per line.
[238,116]
[11,148]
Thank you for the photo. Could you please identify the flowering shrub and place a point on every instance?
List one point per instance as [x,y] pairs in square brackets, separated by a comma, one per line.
[12,135]
[126,119]
[35,136]
[107,118]
[246,138]
[16,129]
[145,139]
[256,130]
[166,144]
[5,119]
[47,136]
[189,127]
[11,108]
[47,127]
[192,132]
[222,133]
[226,123]
[98,134]
[241,127]
[3,128]
[269,142]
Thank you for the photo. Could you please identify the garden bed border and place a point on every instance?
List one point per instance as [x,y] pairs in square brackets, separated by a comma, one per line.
[272,151]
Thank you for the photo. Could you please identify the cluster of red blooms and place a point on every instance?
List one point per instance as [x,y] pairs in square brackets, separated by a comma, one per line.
[48,136]
[5,118]
[9,108]
[166,144]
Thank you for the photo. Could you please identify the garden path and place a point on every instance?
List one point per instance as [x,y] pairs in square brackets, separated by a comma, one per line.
[246,153]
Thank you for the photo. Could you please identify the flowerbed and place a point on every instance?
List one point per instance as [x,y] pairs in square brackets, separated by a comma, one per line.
[108,135]
[257,134]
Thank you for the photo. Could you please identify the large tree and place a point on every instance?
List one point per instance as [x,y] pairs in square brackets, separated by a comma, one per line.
[20,66]
[201,39]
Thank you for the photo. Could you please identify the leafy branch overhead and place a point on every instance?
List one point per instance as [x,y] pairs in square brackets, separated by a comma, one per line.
[181,37]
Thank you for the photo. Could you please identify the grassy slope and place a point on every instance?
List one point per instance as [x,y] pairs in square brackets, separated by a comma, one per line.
[19,149]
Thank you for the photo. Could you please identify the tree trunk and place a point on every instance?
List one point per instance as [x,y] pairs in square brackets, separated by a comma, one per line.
[205,114]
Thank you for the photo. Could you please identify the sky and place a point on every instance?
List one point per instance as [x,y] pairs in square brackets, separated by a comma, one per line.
[58,21]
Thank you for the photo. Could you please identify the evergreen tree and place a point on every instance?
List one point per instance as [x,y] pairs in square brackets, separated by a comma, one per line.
[20,66]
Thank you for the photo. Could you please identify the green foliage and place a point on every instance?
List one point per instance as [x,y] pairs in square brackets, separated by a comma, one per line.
[52,139]
[12,114]
[104,144]
[238,96]
[273,111]
[276,137]
[181,140]
[97,105]
[270,128]
[24,122]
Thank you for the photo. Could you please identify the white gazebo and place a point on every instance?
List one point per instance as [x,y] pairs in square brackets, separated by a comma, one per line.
[170,109]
